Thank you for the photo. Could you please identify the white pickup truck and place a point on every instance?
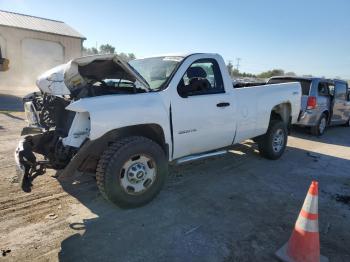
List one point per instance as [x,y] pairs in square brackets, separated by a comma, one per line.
[127,121]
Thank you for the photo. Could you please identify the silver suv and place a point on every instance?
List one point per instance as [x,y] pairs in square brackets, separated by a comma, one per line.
[324,102]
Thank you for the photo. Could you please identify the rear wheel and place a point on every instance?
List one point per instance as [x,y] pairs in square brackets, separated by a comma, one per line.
[319,129]
[347,124]
[132,171]
[273,143]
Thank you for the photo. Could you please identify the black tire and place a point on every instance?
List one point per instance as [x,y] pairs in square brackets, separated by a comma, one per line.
[266,142]
[347,124]
[109,172]
[317,130]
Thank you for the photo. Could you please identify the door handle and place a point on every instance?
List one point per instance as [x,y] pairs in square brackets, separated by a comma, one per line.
[223,104]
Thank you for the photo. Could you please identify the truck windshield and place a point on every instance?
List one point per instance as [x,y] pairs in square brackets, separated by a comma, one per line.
[156,70]
[305,83]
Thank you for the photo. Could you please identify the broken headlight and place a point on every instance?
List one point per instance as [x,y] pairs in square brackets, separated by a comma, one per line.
[31,114]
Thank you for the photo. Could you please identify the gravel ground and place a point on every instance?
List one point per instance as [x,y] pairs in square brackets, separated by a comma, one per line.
[238,207]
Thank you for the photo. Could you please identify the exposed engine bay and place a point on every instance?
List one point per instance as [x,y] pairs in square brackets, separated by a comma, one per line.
[49,122]
[57,133]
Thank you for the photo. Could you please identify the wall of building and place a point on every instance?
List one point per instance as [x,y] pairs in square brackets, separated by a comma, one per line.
[14,44]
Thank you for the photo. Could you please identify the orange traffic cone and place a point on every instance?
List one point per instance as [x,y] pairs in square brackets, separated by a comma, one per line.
[304,244]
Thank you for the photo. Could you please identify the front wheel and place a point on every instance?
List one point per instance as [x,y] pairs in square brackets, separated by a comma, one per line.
[273,143]
[132,171]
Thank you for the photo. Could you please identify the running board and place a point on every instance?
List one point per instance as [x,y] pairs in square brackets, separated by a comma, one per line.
[199,156]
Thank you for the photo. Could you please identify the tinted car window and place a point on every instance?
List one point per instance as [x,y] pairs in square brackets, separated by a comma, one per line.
[201,78]
[305,84]
[340,90]
[323,89]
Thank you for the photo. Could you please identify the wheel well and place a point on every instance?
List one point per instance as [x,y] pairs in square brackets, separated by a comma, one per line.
[151,131]
[282,112]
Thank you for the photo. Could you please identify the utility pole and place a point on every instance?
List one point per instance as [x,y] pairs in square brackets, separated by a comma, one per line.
[238,65]
[230,67]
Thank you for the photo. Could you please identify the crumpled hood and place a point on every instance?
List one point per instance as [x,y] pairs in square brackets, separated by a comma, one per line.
[61,79]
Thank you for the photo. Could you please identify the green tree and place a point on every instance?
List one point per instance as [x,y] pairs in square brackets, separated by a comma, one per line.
[271,73]
[235,73]
[127,57]
[290,74]
[131,56]
[89,51]
[107,49]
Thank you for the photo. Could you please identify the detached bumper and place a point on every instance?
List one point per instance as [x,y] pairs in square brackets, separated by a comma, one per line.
[25,161]
[27,166]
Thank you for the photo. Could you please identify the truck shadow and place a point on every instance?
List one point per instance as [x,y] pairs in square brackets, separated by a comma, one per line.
[336,135]
[10,103]
[210,210]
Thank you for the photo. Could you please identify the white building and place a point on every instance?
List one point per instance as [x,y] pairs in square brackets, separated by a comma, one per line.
[33,45]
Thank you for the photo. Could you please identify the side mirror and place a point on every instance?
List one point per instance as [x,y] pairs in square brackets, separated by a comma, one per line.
[182,90]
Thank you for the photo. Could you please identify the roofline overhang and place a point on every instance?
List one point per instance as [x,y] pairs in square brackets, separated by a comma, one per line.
[40,31]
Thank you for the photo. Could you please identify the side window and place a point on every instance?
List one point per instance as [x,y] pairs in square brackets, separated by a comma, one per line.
[340,90]
[201,78]
[323,89]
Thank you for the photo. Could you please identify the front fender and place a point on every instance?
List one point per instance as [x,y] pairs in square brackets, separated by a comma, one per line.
[116,111]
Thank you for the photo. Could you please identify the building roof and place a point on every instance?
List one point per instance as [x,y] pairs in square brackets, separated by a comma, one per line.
[37,24]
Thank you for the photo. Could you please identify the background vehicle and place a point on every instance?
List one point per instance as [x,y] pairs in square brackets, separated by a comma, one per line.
[126,121]
[324,102]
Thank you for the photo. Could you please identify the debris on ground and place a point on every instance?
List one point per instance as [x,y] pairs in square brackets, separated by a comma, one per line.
[51,216]
[14,180]
[4,252]
[192,230]
[315,157]
[343,199]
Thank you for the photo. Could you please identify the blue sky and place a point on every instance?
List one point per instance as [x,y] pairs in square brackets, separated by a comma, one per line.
[307,37]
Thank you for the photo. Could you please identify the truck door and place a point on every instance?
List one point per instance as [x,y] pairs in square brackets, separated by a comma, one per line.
[340,103]
[202,114]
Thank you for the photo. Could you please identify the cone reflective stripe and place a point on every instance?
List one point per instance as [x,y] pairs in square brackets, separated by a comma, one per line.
[308,217]
[304,224]
[304,243]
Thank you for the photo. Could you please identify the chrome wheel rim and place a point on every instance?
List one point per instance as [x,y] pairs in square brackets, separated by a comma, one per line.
[322,126]
[278,141]
[138,174]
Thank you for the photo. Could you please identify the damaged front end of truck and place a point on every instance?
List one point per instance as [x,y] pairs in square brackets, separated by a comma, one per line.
[57,131]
